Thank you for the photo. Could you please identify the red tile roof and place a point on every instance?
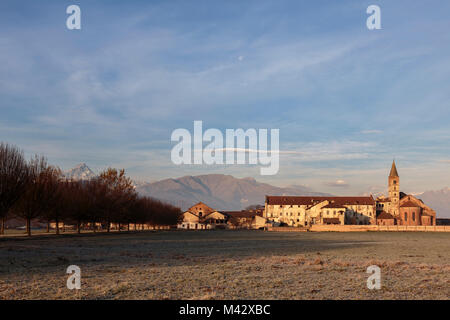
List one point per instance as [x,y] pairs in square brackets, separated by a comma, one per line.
[385,215]
[242,214]
[334,206]
[409,204]
[311,200]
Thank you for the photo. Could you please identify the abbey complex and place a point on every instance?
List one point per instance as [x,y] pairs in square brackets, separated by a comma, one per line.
[396,209]
[305,211]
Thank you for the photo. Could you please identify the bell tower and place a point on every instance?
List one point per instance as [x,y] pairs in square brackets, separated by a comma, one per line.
[394,189]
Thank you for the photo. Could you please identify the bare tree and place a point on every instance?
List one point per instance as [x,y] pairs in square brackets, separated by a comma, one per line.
[14,176]
[57,209]
[119,196]
[80,201]
[39,192]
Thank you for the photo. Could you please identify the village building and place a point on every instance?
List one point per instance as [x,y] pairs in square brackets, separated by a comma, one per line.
[385,219]
[304,211]
[396,209]
[202,217]
[246,219]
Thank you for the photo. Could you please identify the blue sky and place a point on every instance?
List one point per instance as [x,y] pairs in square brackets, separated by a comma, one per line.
[346,100]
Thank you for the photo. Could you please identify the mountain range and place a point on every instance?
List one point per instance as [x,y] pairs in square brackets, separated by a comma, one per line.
[225,192]
[219,191]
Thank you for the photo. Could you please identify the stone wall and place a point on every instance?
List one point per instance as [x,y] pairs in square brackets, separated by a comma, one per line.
[356,228]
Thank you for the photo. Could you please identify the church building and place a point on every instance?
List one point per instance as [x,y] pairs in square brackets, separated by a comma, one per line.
[400,208]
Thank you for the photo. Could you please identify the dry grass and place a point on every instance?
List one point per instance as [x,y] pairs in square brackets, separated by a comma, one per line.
[227,265]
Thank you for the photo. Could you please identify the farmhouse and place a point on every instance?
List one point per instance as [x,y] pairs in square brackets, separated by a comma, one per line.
[200,216]
[247,219]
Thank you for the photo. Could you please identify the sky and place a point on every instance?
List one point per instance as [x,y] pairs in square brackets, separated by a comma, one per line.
[347,100]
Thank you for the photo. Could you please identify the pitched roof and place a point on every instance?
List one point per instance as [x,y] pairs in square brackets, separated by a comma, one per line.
[311,200]
[385,215]
[409,204]
[201,204]
[242,214]
[393,172]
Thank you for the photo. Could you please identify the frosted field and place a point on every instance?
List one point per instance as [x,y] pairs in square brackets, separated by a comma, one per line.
[227,265]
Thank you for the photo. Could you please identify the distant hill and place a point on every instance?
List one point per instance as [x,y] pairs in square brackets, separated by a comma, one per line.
[221,192]
[438,200]
[80,172]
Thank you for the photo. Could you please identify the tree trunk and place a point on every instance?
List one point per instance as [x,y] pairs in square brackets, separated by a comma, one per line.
[2,229]
[28,226]
[57,226]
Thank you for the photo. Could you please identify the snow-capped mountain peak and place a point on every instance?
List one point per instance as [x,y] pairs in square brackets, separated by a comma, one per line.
[80,172]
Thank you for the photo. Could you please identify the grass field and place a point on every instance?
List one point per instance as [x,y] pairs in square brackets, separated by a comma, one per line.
[227,265]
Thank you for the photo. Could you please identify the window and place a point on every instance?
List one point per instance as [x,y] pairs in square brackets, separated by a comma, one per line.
[406,216]
[414,216]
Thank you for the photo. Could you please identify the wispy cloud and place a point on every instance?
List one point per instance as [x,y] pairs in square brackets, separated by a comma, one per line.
[371,131]
[338,183]
[346,100]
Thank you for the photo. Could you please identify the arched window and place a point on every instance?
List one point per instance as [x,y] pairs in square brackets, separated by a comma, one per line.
[414,216]
[406,216]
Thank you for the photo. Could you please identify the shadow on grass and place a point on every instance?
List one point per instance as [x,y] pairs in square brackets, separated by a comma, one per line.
[169,248]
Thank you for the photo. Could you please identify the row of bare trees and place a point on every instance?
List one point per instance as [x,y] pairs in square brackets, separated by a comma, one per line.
[36,190]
